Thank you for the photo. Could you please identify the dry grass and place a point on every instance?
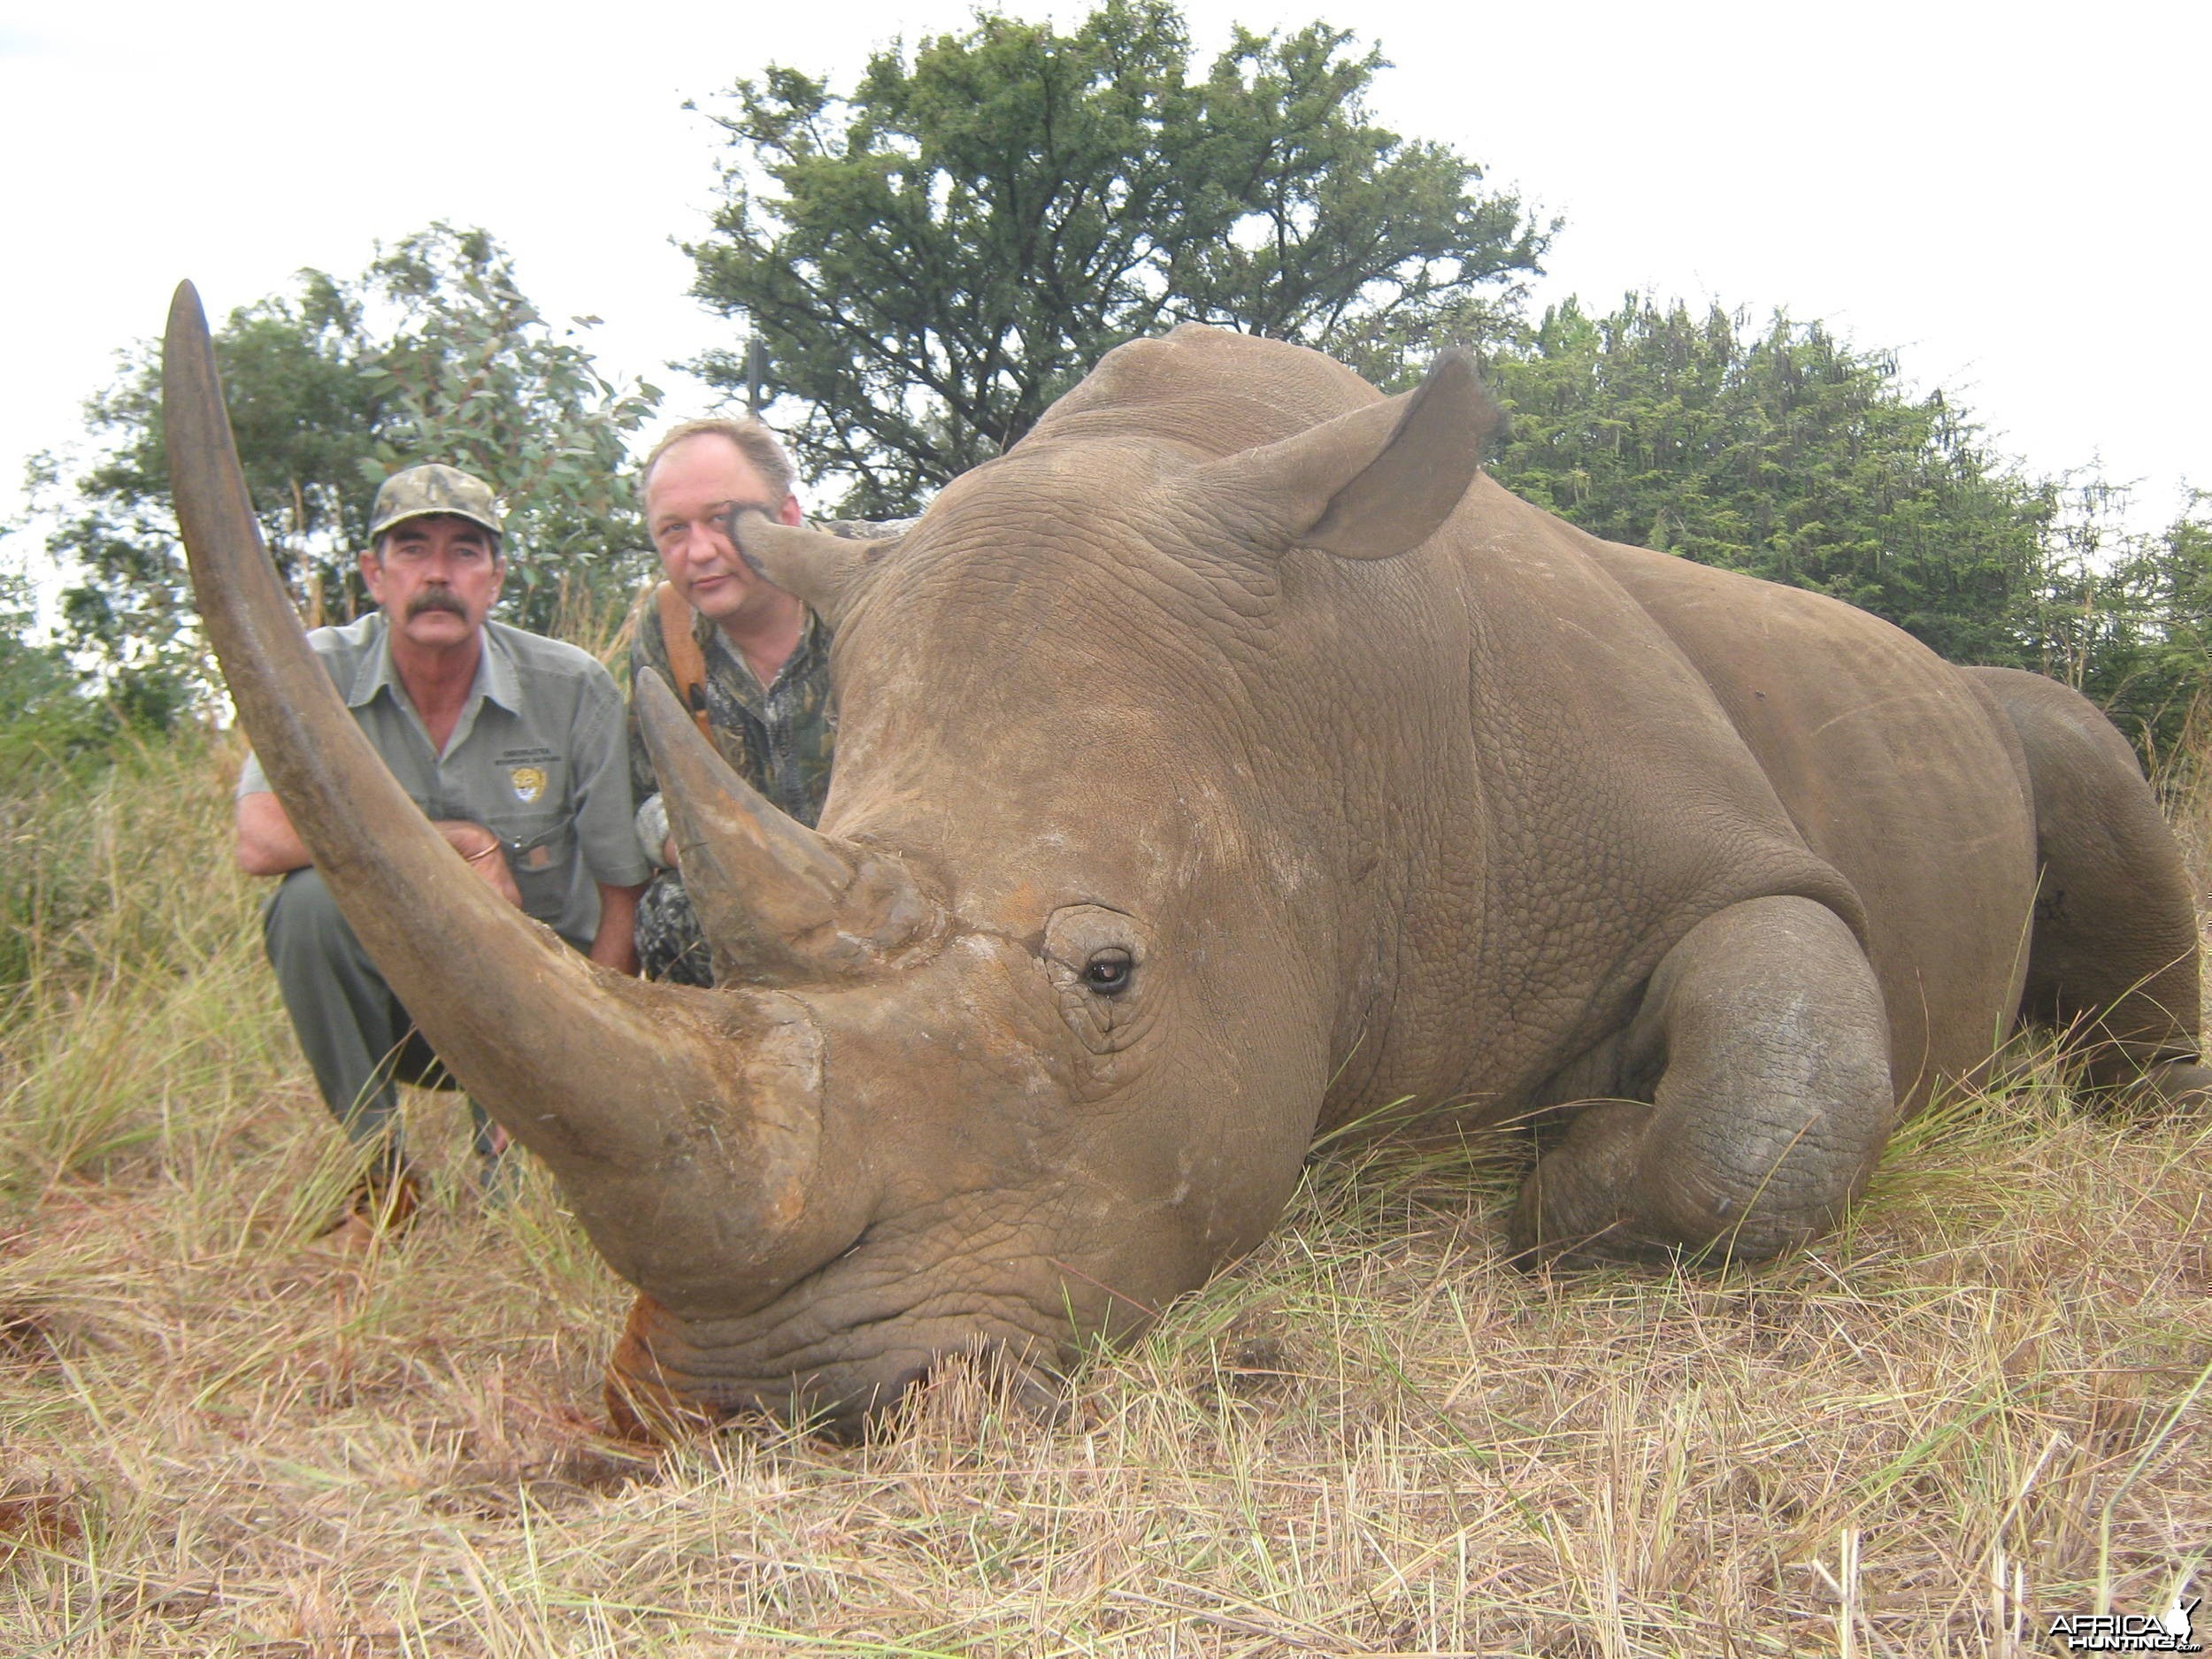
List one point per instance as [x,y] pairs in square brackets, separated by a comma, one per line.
[1988,1402]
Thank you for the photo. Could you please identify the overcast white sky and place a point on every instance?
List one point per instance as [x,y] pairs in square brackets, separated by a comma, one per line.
[2013,196]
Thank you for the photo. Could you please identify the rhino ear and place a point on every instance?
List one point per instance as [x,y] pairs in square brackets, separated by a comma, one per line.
[823,569]
[1374,483]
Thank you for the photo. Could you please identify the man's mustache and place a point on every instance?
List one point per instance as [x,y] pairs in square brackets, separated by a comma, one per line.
[435,599]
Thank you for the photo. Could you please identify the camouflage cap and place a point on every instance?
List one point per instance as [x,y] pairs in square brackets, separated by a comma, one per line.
[422,491]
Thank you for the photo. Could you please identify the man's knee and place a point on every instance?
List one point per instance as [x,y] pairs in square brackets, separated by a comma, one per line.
[302,927]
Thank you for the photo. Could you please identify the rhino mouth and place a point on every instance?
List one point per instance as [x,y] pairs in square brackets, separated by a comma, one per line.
[668,1373]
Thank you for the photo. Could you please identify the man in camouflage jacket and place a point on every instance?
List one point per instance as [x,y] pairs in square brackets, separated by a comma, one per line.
[769,706]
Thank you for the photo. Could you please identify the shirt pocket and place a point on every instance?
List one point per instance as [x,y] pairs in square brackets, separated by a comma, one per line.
[541,849]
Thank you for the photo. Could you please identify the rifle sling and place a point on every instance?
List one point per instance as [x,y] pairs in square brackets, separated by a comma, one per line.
[686,661]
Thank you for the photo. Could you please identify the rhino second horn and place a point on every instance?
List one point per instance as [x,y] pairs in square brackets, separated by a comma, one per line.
[780,903]
[822,568]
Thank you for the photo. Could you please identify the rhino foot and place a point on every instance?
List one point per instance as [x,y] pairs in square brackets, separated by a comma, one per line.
[1574,1209]
[2183,1086]
[1765,1028]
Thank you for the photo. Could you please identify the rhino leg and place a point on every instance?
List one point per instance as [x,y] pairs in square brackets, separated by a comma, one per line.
[1764,1031]
[2112,958]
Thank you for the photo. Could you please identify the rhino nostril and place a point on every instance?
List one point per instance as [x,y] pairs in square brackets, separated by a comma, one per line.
[993,1376]
[906,1381]
[1042,1397]
[1018,1379]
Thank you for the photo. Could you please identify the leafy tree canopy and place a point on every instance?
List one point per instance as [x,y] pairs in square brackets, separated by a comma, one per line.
[932,260]
[434,353]
[1780,451]
[45,716]
[2128,618]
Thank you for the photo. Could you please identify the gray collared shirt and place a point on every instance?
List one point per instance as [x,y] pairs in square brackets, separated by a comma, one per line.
[537,757]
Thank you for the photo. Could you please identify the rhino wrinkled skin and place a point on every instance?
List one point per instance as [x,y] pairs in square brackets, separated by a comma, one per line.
[1228,763]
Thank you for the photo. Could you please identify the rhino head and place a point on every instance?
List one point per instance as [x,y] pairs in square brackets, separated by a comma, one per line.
[1033,1033]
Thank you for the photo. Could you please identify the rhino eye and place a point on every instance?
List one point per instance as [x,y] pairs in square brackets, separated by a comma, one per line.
[1108,972]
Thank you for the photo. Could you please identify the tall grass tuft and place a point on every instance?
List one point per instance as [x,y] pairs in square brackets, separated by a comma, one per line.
[135,1015]
[1987,1402]
[2183,778]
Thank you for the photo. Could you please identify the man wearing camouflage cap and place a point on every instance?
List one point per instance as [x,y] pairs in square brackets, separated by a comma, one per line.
[511,743]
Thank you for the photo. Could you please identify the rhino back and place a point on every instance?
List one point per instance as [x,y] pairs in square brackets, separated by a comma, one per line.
[1894,769]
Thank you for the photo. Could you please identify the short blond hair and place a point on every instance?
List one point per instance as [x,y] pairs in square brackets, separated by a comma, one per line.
[751,440]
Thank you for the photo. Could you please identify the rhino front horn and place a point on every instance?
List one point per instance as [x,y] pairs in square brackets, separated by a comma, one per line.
[780,903]
[686,1129]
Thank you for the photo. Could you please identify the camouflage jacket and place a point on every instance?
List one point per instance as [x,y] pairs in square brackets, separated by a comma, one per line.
[780,738]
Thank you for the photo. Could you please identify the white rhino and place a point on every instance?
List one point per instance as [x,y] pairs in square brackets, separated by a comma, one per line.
[1225,764]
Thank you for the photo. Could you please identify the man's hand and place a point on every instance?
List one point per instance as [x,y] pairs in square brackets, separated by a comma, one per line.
[481,850]
[269,846]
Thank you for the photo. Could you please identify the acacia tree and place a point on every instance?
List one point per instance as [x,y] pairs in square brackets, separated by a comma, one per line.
[434,353]
[932,260]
